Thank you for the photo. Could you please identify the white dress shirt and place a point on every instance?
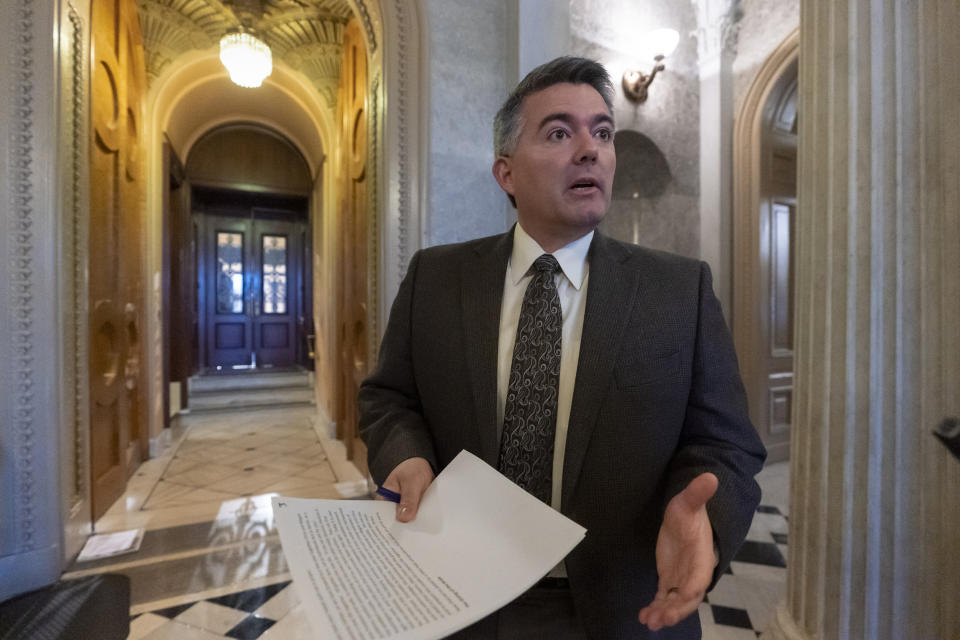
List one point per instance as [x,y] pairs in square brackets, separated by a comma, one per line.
[572,289]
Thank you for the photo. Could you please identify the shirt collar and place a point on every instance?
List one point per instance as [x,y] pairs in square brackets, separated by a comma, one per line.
[572,258]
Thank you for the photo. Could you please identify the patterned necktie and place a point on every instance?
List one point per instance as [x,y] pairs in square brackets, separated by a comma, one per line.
[530,414]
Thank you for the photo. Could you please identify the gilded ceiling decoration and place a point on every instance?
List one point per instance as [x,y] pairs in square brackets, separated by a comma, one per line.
[306,34]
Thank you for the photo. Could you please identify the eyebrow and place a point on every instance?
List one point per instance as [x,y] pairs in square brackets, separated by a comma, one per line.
[567,118]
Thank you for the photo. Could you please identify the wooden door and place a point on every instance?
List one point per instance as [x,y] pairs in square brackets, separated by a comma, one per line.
[772,403]
[305,330]
[276,253]
[179,278]
[228,284]
[252,280]
[118,422]
[353,241]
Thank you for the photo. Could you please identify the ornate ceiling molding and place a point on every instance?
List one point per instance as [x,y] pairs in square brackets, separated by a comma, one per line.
[173,27]
[306,34]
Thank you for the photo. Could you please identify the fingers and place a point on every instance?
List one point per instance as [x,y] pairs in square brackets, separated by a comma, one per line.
[670,606]
[699,491]
[685,555]
[410,479]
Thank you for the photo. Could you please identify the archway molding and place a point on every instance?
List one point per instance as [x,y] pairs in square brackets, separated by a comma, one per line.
[240,117]
[747,184]
[190,83]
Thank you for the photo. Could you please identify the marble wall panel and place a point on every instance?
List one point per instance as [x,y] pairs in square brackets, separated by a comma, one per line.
[468,60]
[609,31]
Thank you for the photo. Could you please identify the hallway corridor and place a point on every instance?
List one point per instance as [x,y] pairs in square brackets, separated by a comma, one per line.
[210,564]
[210,537]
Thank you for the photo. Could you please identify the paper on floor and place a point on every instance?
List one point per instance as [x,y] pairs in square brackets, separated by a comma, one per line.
[478,542]
[105,545]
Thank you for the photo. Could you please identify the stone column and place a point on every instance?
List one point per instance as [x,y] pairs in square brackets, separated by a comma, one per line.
[44,426]
[875,512]
[717,27]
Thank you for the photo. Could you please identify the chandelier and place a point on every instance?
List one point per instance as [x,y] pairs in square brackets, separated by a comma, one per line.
[246,57]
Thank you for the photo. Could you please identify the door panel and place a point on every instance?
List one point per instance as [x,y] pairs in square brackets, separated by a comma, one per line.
[118,408]
[229,285]
[277,277]
[352,240]
[252,281]
[771,407]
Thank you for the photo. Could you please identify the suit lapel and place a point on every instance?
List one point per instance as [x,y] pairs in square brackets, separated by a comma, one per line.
[611,294]
[482,279]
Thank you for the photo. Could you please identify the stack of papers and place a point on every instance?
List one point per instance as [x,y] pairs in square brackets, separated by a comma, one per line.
[478,542]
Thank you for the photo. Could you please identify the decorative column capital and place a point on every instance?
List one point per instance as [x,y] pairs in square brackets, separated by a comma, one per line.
[718,25]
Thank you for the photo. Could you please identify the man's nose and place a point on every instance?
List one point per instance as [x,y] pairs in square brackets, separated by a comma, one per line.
[587,149]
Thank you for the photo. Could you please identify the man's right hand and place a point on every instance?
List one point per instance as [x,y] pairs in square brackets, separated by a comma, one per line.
[410,479]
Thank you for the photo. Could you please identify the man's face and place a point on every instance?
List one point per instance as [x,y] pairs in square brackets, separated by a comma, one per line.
[561,172]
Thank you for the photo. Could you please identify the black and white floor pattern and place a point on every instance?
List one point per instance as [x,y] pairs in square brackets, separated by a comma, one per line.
[739,607]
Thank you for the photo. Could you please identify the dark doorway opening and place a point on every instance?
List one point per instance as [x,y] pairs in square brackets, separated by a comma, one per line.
[253,280]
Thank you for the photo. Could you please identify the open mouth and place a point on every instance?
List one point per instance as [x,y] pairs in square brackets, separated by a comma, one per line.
[584,185]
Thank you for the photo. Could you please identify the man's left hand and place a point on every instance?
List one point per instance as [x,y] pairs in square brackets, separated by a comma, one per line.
[685,555]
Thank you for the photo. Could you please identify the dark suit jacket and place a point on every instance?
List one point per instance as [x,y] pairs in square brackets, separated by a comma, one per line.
[658,399]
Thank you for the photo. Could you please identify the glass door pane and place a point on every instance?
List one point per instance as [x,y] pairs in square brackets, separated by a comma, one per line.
[229,272]
[274,274]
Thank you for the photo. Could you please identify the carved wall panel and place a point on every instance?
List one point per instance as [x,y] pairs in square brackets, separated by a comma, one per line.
[353,219]
[118,397]
[74,228]
[37,395]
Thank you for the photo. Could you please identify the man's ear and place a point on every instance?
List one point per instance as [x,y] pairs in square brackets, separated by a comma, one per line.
[503,173]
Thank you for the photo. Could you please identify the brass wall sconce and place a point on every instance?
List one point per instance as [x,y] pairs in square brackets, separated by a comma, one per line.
[658,44]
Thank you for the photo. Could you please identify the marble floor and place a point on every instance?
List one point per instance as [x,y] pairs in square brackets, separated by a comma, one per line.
[210,564]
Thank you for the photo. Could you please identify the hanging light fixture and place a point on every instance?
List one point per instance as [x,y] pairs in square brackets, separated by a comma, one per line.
[246,57]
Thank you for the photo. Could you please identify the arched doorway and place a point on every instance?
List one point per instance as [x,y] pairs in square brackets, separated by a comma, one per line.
[191,94]
[765,189]
[251,237]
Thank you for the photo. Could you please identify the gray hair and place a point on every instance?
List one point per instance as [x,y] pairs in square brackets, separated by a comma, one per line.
[507,123]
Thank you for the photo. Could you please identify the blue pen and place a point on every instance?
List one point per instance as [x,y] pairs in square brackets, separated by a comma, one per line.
[392,496]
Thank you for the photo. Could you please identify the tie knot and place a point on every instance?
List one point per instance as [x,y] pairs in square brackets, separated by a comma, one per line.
[546,264]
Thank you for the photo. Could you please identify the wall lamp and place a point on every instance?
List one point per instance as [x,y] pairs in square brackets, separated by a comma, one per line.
[658,44]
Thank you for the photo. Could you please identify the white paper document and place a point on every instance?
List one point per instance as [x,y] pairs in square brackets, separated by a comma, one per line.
[478,542]
[105,545]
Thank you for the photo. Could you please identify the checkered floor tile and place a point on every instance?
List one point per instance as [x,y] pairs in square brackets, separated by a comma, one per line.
[740,606]
[245,615]
[231,454]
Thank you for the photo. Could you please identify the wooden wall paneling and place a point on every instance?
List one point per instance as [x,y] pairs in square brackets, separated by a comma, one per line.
[251,158]
[184,290]
[199,291]
[353,237]
[178,269]
[305,320]
[166,267]
[118,406]
[133,237]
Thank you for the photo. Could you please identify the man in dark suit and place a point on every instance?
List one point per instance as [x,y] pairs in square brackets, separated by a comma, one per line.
[635,421]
